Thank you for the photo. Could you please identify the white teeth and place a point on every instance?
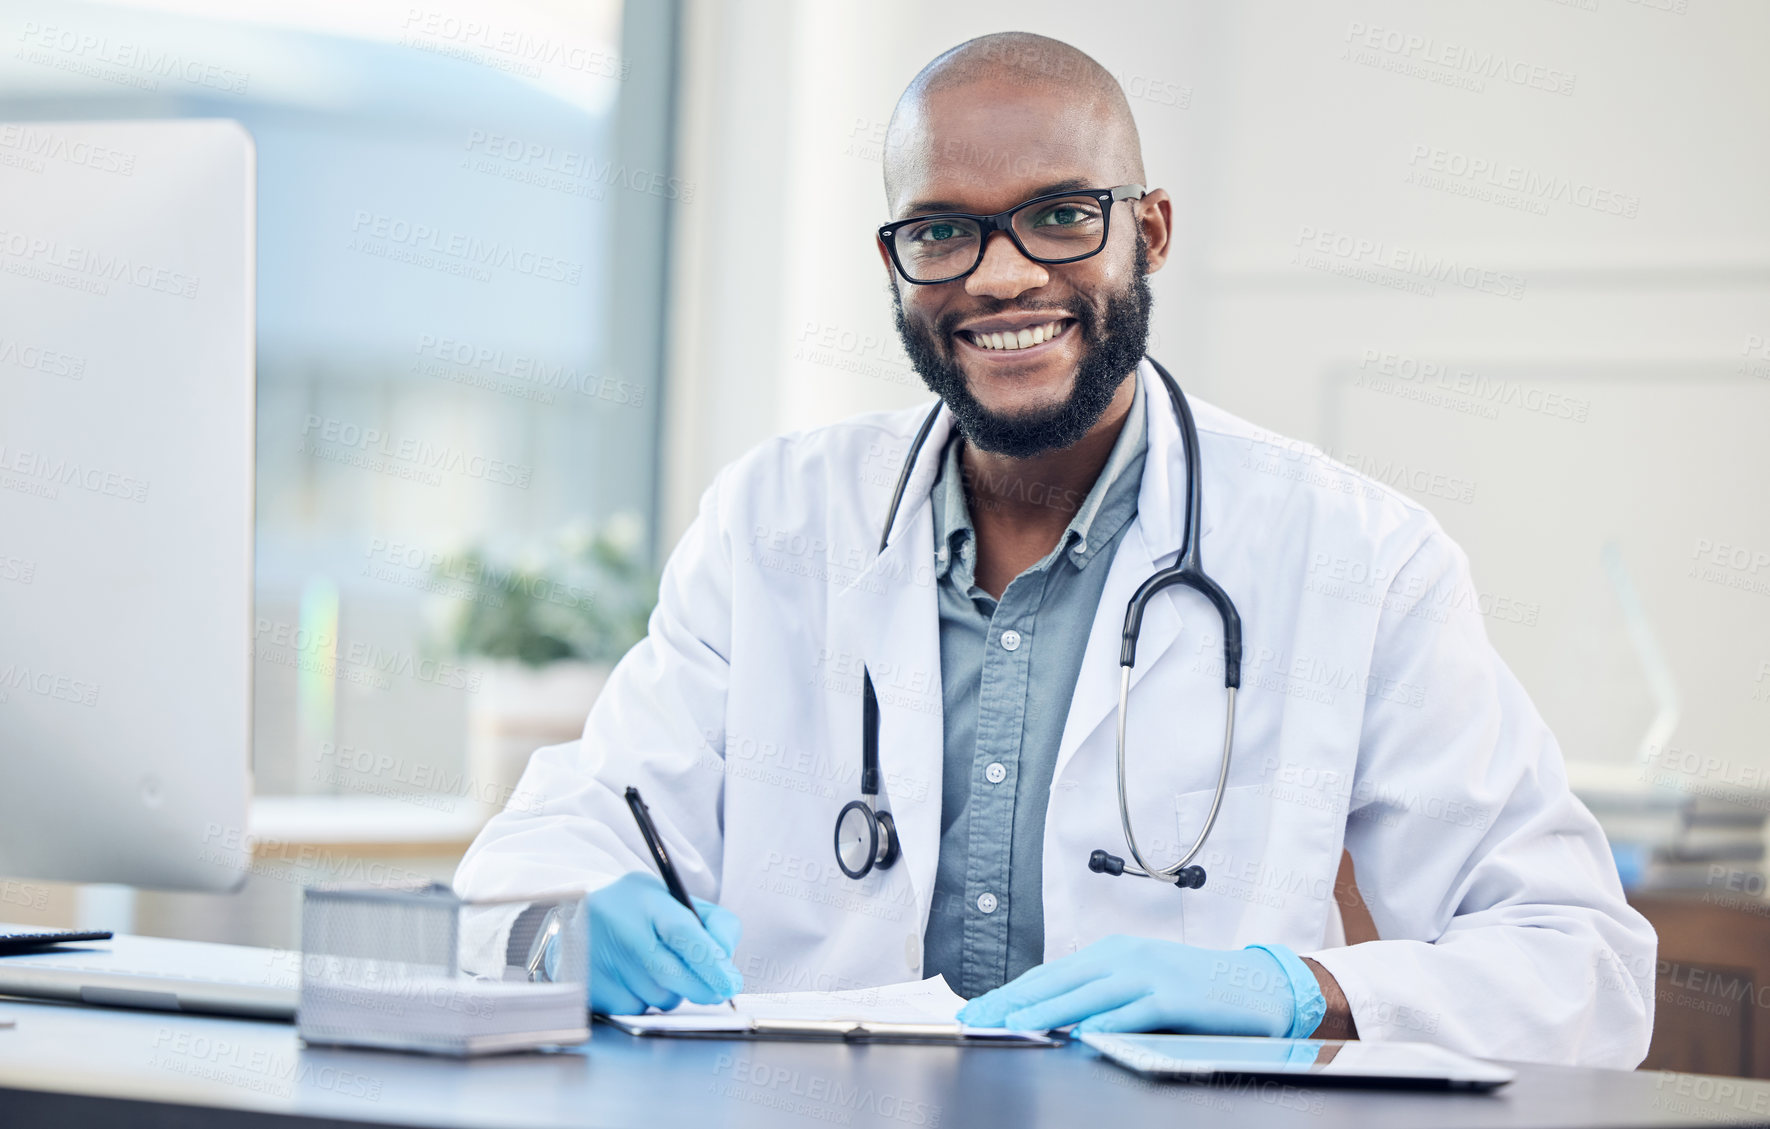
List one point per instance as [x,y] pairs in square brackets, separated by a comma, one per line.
[1023,339]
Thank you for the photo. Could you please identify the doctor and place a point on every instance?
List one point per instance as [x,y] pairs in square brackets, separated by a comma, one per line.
[1372,714]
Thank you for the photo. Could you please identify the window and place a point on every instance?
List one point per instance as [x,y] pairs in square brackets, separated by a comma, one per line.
[462,216]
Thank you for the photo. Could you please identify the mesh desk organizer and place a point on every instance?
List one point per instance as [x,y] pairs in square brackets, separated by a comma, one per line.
[419,969]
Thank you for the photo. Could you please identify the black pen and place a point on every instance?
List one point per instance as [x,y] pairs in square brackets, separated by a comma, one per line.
[666,868]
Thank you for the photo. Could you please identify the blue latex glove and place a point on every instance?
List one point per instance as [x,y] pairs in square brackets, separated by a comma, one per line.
[646,948]
[1124,983]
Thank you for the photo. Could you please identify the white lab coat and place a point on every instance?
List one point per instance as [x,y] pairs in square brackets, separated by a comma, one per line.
[1373,715]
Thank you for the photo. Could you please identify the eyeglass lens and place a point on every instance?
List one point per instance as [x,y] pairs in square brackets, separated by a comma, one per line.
[940,248]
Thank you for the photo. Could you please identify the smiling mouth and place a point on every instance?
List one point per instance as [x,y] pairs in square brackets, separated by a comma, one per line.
[1008,341]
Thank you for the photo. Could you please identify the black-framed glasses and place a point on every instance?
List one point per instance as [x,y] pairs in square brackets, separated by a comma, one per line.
[1060,227]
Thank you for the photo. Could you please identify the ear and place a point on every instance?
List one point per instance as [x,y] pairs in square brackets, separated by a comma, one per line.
[885,257]
[1155,215]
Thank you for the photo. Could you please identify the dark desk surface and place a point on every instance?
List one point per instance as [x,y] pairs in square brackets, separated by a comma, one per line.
[67,1065]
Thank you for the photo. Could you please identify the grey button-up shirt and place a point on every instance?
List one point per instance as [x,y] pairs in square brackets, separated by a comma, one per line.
[1007,671]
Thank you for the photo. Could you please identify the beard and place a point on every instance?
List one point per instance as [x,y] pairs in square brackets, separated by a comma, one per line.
[1114,335]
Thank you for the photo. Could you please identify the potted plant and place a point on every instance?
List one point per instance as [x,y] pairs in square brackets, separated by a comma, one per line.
[541,634]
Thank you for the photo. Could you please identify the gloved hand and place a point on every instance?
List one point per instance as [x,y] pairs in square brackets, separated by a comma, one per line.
[646,948]
[1124,983]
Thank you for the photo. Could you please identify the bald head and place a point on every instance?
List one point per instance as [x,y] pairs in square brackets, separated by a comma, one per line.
[948,124]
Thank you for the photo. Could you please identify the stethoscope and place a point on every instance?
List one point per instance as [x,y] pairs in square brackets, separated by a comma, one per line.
[866,837]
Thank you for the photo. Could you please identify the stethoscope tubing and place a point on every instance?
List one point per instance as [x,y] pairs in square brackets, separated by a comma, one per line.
[1186,571]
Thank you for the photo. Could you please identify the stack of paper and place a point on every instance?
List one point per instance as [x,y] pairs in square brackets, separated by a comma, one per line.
[457,1016]
[927,1008]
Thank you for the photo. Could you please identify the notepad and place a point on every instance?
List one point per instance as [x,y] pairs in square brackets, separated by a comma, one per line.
[915,1010]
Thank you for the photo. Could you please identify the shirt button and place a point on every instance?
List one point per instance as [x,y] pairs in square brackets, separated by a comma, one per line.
[995,773]
[986,903]
[1010,640]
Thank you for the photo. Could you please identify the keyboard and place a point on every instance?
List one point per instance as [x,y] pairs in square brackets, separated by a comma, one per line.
[30,942]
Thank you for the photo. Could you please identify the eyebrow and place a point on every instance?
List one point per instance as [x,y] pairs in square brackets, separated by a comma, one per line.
[921,207]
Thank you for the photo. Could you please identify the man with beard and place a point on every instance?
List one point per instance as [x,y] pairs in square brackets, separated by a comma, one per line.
[973,646]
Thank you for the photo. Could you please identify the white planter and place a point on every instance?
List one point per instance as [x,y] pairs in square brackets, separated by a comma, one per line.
[517,710]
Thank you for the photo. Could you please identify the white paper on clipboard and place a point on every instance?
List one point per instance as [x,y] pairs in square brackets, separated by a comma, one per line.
[925,1007]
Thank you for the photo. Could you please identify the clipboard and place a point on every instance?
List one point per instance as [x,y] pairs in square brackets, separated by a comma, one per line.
[844,1031]
[912,1012]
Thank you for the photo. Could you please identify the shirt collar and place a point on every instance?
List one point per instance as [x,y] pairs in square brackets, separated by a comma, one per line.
[953,531]
[1104,511]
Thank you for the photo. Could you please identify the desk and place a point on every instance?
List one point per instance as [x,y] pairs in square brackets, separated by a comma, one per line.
[1714,981]
[72,1066]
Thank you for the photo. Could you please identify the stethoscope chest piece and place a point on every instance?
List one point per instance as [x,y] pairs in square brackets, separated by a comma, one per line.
[864,839]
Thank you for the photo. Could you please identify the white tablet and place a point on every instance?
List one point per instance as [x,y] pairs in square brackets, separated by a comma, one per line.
[1303,1061]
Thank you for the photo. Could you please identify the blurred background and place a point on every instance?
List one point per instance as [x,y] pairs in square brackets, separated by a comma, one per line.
[1512,258]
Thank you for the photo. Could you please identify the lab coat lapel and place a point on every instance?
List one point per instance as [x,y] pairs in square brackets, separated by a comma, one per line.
[890,616]
[1152,543]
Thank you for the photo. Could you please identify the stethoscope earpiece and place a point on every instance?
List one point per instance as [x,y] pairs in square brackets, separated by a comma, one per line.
[1102,863]
[1186,878]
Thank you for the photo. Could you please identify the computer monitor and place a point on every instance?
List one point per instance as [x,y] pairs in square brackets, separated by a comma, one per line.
[126,487]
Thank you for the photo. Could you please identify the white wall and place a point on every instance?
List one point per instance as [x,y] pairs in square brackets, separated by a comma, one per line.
[1269,121]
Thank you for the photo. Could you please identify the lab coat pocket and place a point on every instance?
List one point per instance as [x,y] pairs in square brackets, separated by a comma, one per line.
[1256,889]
